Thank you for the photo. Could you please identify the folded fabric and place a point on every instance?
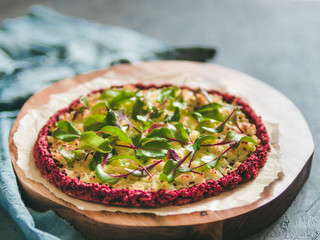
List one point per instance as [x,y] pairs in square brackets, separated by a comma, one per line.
[43,47]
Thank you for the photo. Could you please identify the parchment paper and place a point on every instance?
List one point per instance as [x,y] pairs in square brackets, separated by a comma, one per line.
[243,194]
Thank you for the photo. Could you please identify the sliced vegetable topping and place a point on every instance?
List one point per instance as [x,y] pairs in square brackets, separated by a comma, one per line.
[150,138]
[66,131]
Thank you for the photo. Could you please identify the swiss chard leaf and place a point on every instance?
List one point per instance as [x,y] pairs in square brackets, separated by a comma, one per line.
[179,103]
[94,122]
[211,110]
[161,132]
[169,166]
[173,167]
[105,178]
[111,119]
[91,141]
[136,140]
[214,114]
[122,115]
[234,136]
[168,173]
[115,99]
[145,121]
[137,172]
[175,117]
[212,130]
[109,94]
[147,139]
[84,101]
[142,118]
[138,108]
[162,177]
[97,158]
[172,154]
[184,169]
[208,107]
[66,131]
[167,93]
[115,131]
[248,139]
[125,104]
[208,159]
[155,113]
[181,133]
[154,149]
[133,159]
[112,138]
[216,158]
[201,118]
[220,128]
[99,108]
[114,152]
[72,155]
[196,145]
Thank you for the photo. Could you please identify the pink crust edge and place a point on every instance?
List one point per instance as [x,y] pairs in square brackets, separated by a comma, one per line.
[95,192]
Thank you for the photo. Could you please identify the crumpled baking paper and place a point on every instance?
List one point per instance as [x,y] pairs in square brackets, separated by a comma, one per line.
[243,194]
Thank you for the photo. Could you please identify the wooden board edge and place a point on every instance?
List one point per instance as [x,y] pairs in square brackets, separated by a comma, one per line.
[253,222]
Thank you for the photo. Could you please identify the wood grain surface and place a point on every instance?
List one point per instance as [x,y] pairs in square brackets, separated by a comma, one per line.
[227,224]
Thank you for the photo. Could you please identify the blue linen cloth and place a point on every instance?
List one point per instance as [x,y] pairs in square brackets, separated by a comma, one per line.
[43,47]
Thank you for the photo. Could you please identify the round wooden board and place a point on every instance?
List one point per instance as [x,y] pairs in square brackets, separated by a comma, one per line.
[227,224]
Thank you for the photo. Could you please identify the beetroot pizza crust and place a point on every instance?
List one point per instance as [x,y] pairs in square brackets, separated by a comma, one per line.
[103,193]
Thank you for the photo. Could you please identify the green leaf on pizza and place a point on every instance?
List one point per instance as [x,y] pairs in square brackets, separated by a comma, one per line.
[154,149]
[172,132]
[132,159]
[210,164]
[84,101]
[115,131]
[145,121]
[139,108]
[209,107]
[220,128]
[97,158]
[196,145]
[72,155]
[94,122]
[136,172]
[168,173]
[116,97]
[202,119]
[106,178]
[111,118]
[66,131]
[155,113]
[234,136]
[161,132]
[91,141]
[169,166]
[136,140]
[109,94]
[181,133]
[167,93]
[175,117]
[99,108]
[211,111]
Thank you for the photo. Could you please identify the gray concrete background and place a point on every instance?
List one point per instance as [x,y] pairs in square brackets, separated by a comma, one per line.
[277,42]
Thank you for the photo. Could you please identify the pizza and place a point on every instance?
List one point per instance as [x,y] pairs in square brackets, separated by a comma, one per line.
[151,146]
